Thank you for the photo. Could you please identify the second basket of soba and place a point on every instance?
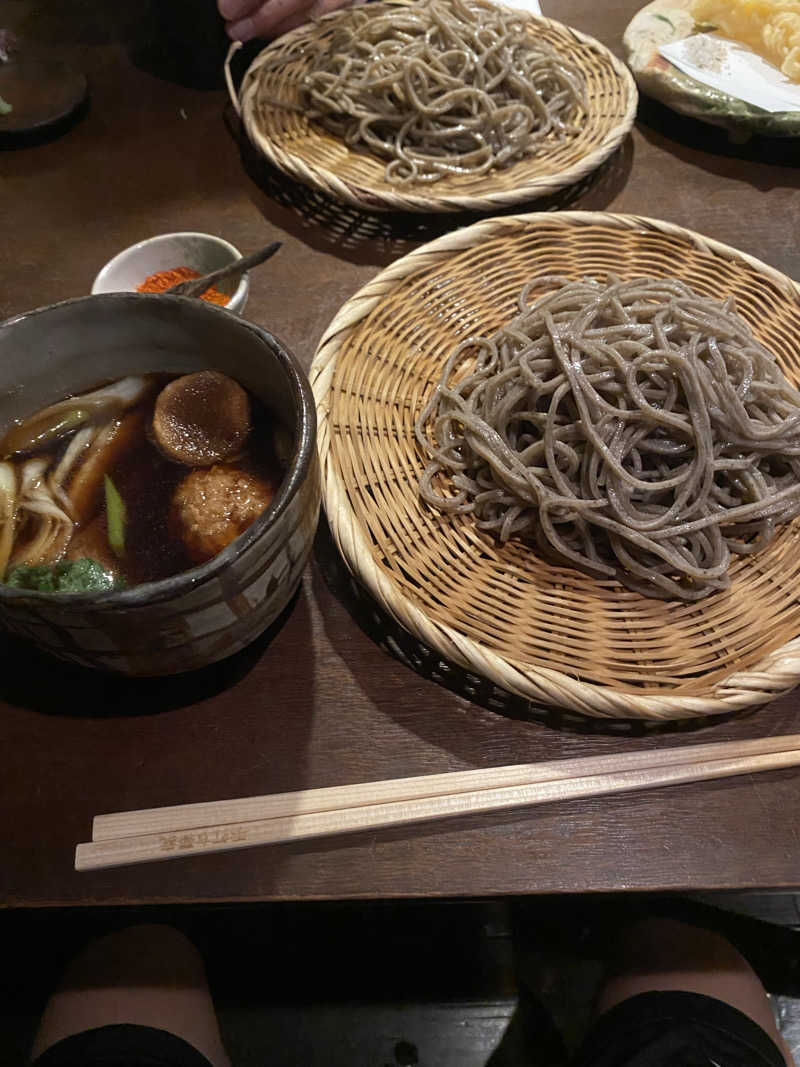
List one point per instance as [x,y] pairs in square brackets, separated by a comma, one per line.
[158,481]
[563,449]
[436,105]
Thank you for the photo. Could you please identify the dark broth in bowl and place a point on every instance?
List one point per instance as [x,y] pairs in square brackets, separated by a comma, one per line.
[94,478]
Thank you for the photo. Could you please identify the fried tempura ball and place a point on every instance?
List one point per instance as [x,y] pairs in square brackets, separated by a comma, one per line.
[212,506]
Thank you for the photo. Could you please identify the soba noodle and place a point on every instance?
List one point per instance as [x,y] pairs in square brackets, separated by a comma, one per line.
[635,429]
[440,87]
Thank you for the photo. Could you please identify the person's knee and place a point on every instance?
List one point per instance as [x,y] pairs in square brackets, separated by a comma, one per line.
[141,953]
[148,976]
[664,955]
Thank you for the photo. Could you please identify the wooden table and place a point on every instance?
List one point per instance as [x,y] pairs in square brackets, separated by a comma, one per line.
[319,702]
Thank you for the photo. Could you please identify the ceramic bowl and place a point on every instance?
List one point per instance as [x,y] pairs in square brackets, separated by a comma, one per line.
[200,251]
[211,611]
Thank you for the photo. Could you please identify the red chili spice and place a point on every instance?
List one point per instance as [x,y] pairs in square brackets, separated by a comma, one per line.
[165,279]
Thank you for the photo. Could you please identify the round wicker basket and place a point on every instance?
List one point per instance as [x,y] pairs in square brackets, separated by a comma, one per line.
[281,131]
[549,633]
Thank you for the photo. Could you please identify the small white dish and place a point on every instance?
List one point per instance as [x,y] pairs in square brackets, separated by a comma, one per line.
[200,251]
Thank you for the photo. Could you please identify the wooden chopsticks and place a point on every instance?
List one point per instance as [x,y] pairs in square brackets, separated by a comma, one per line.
[192,829]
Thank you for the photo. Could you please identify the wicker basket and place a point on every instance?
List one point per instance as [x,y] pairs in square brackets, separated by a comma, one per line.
[307,152]
[549,633]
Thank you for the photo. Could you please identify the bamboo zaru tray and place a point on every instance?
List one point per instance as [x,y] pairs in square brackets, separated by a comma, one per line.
[270,102]
[547,632]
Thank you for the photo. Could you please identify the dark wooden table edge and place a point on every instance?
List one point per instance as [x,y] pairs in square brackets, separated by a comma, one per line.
[593,892]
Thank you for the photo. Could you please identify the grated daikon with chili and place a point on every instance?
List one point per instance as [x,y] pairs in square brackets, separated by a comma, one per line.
[165,279]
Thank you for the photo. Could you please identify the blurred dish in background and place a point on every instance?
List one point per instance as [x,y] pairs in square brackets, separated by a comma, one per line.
[707,77]
[38,94]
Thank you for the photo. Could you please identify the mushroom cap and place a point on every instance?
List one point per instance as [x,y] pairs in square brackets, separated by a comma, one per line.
[202,418]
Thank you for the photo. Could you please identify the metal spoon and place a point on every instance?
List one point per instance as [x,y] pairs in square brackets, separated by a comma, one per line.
[197,286]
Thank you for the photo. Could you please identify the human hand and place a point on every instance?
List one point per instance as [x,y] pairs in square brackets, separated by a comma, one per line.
[270,18]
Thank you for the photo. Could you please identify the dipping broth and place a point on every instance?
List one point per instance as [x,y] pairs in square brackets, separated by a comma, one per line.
[145,477]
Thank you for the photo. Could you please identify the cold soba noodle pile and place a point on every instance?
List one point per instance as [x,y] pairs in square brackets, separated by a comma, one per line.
[439,87]
[635,429]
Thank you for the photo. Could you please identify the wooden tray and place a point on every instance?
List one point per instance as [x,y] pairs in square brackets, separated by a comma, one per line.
[549,633]
[317,158]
